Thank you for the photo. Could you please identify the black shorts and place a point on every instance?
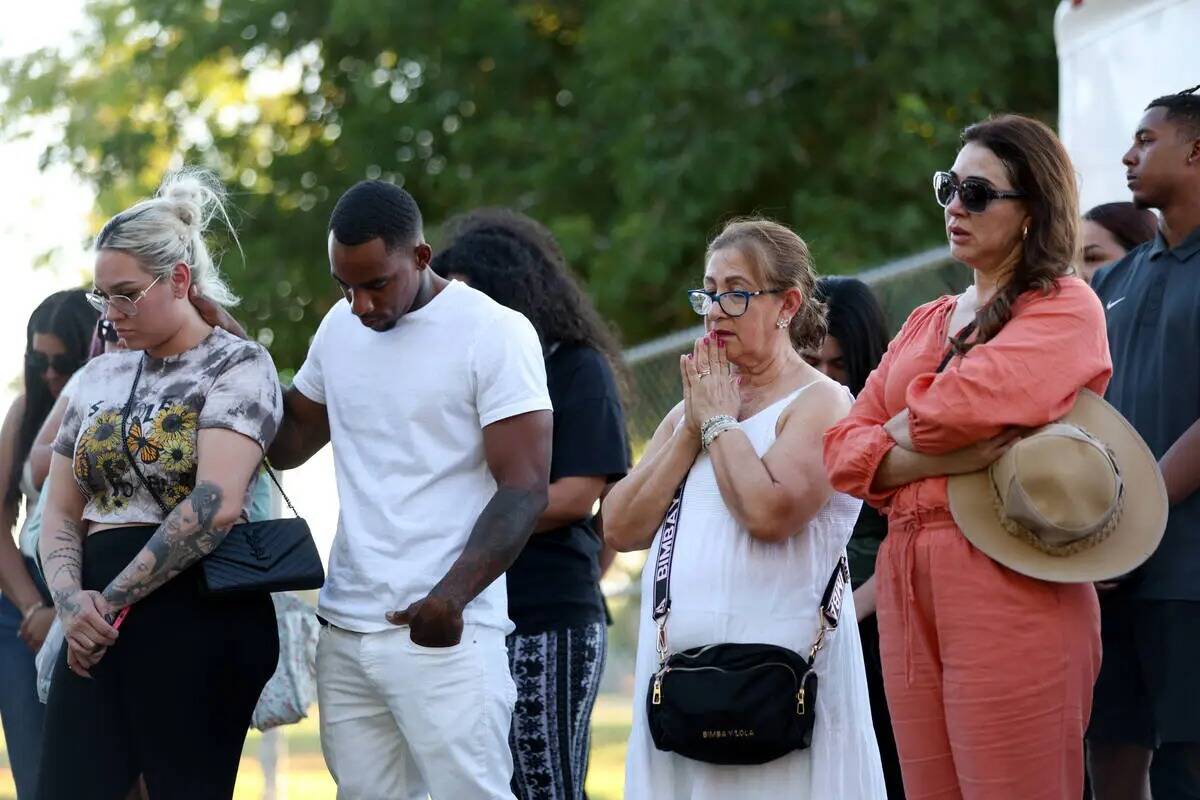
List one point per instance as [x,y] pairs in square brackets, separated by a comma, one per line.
[1146,693]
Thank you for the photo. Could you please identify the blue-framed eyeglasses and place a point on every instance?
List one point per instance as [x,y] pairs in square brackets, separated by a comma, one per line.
[733,303]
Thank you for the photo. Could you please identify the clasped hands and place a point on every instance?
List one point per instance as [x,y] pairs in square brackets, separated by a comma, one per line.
[710,387]
[88,633]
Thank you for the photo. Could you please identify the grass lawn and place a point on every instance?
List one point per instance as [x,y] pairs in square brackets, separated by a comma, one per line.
[303,775]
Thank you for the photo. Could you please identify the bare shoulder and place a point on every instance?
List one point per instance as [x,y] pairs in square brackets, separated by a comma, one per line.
[819,405]
[15,411]
[10,431]
[18,406]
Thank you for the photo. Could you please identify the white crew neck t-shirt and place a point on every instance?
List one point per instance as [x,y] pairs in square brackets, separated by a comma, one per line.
[407,409]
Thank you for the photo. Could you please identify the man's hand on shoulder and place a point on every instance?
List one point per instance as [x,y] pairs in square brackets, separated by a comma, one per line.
[215,315]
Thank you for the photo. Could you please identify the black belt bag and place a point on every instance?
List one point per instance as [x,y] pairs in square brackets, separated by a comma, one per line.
[274,555]
[732,703]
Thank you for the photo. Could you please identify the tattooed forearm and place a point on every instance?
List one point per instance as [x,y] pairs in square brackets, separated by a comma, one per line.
[187,534]
[62,563]
[64,602]
[497,539]
[67,567]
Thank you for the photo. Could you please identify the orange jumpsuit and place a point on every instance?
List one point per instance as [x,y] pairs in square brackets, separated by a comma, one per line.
[988,673]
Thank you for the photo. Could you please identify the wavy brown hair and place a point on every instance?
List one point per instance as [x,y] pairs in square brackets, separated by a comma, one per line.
[1038,165]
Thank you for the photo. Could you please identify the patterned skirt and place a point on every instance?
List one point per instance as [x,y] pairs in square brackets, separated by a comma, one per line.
[558,676]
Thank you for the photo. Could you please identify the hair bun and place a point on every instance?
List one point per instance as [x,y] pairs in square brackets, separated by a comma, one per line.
[170,228]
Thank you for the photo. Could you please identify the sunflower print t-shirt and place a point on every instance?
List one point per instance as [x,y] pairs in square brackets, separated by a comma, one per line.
[223,382]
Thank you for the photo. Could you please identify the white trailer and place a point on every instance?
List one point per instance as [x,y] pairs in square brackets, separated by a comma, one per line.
[1114,57]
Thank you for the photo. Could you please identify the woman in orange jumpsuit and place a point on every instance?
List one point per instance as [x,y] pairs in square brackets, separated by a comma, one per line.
[988,672]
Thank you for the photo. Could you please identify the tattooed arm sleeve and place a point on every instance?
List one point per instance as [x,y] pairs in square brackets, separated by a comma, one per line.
[226,463]
[518,453]
[61,542]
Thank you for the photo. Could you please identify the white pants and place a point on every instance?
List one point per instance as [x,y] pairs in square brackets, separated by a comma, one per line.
[402,722]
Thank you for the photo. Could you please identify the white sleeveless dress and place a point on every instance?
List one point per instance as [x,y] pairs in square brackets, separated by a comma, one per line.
[729,587]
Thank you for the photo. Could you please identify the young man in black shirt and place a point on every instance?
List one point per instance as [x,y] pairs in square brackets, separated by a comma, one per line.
[1145,701]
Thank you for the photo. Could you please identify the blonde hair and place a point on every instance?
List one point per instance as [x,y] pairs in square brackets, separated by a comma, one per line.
[169,228]
[782,261]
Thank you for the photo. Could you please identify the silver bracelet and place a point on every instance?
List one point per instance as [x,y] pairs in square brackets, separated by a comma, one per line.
[713,421]
[714,427]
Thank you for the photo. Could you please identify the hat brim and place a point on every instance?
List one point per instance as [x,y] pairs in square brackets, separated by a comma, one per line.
[1138,532]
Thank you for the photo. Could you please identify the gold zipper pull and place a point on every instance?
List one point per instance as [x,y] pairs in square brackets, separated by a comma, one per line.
[800,702]
[656,694]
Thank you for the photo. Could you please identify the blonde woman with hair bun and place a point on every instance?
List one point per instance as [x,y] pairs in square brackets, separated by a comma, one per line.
[153,464]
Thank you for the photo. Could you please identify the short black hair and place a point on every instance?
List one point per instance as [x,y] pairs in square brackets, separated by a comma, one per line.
[376,210]
[1182,108]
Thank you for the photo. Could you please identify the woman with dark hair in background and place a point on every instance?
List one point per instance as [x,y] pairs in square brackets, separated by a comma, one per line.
[1111,230]
[557,651]
[855,342]
[57,340]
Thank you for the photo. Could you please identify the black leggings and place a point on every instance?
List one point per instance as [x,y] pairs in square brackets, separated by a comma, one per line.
[171,700]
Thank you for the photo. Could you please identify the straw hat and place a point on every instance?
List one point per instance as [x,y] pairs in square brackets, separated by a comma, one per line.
[1076,501]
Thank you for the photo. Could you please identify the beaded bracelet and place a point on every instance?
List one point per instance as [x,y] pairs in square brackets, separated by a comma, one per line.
[714,427]
[713,421]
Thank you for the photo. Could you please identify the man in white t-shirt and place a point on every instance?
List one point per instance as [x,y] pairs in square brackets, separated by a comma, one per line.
[435,399]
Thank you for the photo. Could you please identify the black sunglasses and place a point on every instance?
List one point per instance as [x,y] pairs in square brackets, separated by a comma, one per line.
[974,193]
[39,362]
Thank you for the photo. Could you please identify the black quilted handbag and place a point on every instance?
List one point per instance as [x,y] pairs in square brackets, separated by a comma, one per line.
[274,555]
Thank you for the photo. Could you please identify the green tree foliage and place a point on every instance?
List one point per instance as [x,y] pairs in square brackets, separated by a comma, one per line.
[631,127]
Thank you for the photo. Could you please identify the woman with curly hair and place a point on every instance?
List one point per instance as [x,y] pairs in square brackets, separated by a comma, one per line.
[557,650]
